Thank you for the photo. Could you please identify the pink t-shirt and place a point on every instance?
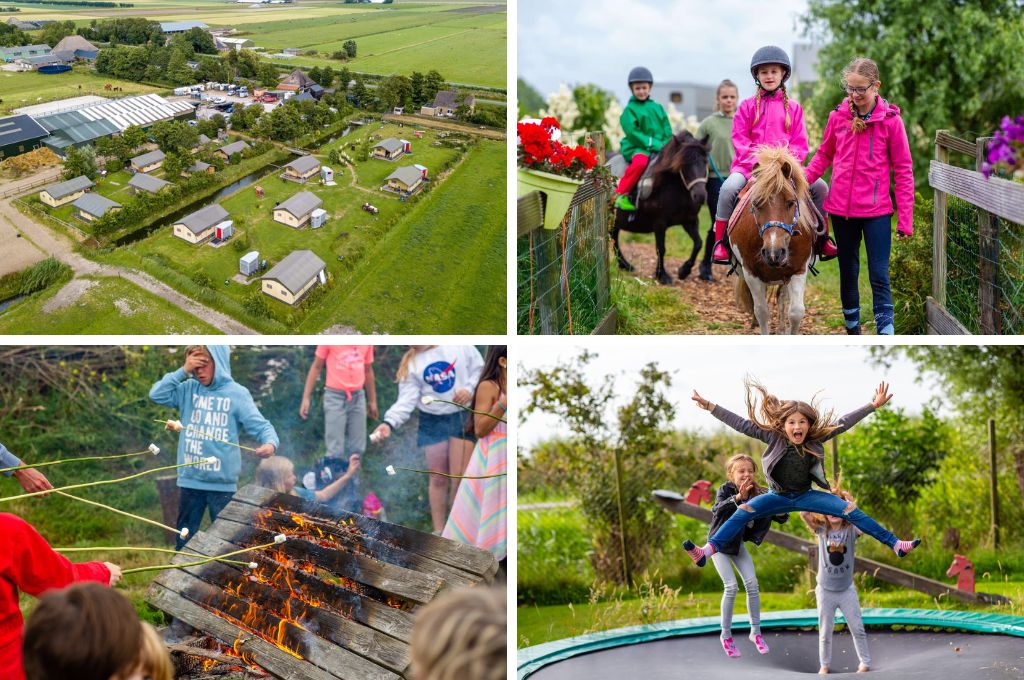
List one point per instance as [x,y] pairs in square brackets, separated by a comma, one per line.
[346,365]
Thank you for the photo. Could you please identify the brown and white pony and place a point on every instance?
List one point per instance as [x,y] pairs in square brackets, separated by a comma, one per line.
[773,239]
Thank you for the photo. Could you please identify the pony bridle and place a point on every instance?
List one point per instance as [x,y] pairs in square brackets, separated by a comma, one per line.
[697,180]
[775,224]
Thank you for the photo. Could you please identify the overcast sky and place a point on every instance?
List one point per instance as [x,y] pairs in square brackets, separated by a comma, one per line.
[599,41]
[845,376]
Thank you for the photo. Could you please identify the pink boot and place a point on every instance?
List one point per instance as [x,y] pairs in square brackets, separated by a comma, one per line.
[828,248]
[720,255]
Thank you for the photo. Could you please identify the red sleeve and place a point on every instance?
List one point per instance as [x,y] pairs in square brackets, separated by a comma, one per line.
[33,565]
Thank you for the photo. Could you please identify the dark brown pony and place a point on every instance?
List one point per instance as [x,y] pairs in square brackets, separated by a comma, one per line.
[773,239]
[679,191]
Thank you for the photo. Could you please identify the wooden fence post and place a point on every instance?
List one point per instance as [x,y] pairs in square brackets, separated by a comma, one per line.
[626,570]
[994,481]
[835,459]
[990,320]
[939,232]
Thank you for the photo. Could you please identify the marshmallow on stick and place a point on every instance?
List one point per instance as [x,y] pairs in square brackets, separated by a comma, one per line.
[153,448]
[280,538]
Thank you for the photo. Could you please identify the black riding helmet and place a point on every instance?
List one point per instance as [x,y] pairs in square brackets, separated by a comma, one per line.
[640,74]
[770,54]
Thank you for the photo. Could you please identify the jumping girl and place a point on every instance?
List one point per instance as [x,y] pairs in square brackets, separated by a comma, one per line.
[718,128]
[795,433]
[835,587]
[769,118]
[647,129]
[451,373]
[742,485]
[864,140]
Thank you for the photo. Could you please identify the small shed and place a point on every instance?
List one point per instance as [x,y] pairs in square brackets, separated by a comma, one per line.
[422,169]
[249,263]
[389,149]
[295,211]
[199,166]
[63,193]
[405,180]
[148,162]
[317,218]
[294,276]
[326,174]
[301,169]
[199,226]
[229,150]
[140,182]
[224,230]
[91,207]
[407,144]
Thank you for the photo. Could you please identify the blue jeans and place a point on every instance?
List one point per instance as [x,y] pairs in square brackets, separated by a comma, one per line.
[877,233]
[773,503]
[192,504]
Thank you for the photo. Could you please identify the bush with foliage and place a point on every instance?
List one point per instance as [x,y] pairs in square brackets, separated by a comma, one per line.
[911,267]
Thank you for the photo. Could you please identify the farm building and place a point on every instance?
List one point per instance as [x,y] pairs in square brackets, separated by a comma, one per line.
[297,81]
[91,207]
[294,276]
[140,181]
[28,25]
[142,110]
[24,64]
[148,162]
[19,134]
[229,150]
[200,225]
[75,47]
[199,166]
[69,104]
[74,128]
[234,43]
[203,141]
[62,193]
[389,149]
[405,180]
[445,103]
[171,27]
[9,54]
[306,96]
[296,210]
[301,169]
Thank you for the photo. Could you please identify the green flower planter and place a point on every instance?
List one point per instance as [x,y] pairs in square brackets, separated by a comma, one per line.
[558,190]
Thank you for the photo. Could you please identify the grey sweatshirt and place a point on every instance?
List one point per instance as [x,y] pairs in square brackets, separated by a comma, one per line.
[777,443]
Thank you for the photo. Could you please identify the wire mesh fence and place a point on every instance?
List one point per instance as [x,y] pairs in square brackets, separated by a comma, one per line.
[562,274]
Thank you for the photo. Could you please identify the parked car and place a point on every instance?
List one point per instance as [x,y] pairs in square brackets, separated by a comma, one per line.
[269,98]
[220,100]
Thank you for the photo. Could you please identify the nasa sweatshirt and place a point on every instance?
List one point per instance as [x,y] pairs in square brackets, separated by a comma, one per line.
[438,372]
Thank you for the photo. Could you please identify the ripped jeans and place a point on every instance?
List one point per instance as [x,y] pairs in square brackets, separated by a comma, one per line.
[812,500]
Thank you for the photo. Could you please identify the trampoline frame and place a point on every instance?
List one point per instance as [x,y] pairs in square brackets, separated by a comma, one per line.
[531,659]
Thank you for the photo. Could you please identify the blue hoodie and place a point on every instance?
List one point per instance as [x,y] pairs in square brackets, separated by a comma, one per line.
[215,411]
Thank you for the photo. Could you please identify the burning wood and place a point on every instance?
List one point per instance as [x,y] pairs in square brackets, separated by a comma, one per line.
[336,600]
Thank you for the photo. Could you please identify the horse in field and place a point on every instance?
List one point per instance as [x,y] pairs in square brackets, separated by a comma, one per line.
[678,192]
[772,236]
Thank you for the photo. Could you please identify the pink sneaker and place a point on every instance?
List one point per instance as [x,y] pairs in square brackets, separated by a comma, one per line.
[730,648]
[759,642]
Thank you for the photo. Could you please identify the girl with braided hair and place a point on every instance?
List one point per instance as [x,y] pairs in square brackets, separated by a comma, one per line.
[864,141]
[795,433]
[769,118]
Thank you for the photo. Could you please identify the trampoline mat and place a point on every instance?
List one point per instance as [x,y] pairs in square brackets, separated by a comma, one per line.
[953,655]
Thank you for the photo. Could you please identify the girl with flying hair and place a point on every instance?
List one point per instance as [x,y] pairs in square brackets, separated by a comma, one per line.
[795,433]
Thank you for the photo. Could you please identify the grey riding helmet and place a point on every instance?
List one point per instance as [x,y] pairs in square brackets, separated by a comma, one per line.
[770,54]
[640,74]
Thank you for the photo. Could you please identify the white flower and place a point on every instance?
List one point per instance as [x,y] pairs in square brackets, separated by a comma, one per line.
[562,106]
[280,538]
[390,469]
[613,132]
[427,399]
[154,449]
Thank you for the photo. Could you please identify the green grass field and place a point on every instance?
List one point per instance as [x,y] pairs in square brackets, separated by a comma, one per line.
[108,306]
[440,270]
[26,89]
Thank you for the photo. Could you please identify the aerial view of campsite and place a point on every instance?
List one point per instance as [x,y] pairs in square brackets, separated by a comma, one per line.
[252,167]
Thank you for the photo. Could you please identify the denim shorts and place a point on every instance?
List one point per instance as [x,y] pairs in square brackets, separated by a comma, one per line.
[435,429]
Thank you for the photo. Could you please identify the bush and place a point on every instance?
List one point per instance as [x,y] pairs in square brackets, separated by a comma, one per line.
[113,165]
[37,277]
[911,268]
[202,279]
[256,303]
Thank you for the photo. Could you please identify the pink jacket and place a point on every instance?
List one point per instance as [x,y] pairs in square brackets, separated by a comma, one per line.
[861,163]
[770,129]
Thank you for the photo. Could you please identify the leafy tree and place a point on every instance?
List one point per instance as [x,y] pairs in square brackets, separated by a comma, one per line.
[214,70]
[57,31]
[531,101]
[12,37]
[395,91]
[134,136]
[360,94]
[432,83]
[201,40]
[267,75]
[350,48]
[174,136]
[928,52]
[344,78]
[246,117]
[175,163]
[592,102]
[417,81]
[178,71]
[80,161]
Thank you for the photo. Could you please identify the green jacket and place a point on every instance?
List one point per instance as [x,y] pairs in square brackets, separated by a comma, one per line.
[646,126]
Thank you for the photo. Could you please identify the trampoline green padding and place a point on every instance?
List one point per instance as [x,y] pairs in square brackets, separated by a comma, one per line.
[904,643]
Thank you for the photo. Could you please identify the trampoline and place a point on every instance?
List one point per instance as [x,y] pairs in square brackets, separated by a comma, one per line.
[904,643]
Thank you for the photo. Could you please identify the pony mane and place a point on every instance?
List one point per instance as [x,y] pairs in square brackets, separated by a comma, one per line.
[778,172]
[677,153]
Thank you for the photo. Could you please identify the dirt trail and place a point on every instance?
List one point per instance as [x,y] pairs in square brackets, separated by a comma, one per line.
[714,302]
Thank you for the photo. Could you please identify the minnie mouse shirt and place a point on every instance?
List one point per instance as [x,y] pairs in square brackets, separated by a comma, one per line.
[835,557]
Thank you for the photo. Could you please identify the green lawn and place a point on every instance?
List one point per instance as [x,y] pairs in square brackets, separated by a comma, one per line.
[25,89]
[109,306]
[442,268]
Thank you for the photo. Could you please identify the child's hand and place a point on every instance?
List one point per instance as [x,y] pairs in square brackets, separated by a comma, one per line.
[745,490]
[304,408]
[32,480]
[382,432]
[882,395]
[462,396]
[115,573]
[265,450]
[702,402]
[372,411]
[194,361]
[353,465]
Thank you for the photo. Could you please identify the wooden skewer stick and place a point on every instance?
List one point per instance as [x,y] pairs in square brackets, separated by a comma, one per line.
[390,469]
[430,400]
[280,538]
[205,461]
[199,433]
[79,460]
[183,532]
[104,548]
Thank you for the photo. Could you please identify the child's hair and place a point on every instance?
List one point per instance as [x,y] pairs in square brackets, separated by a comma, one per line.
[156,662]
[197,349]
[492,369]
[271,472]
[819,520]
[403,367]
[724,83]
[461,635]
[757,103]
[862,66]
[741,458]
[85,632]
[774,411]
